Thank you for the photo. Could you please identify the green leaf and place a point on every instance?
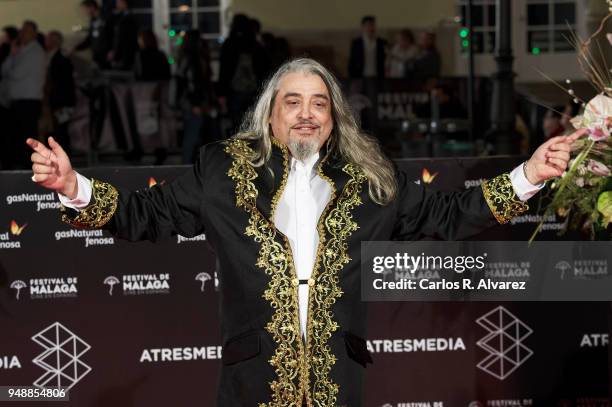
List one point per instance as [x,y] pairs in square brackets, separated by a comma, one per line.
[604,206]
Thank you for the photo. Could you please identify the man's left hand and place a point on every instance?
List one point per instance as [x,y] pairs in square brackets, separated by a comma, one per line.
[551,158]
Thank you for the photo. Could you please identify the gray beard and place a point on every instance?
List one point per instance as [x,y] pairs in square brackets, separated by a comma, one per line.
[303,150]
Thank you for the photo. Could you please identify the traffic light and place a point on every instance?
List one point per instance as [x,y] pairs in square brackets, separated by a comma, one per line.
[464,34]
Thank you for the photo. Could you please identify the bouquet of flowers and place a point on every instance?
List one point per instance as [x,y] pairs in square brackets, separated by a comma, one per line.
[583,194]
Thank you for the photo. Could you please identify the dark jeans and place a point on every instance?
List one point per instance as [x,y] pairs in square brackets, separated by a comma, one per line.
[24,116]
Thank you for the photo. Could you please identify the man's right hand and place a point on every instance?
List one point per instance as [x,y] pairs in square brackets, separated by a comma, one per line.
[52,168]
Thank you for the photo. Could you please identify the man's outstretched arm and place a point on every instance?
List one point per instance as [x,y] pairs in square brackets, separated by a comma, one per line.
[149,214]
[458,215]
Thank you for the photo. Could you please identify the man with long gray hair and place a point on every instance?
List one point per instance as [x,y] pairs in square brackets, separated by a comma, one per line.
[286,203]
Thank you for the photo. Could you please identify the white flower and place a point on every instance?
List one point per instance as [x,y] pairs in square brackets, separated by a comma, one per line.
[597,117]
[580,182]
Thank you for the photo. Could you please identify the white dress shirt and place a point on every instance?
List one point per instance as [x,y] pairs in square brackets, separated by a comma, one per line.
[297,214]
[301,204]
[369,57]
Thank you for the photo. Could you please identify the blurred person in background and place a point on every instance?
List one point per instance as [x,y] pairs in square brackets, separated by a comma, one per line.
[60,94]
[243,68]
[98,36]
[195,92]
[8,37]
[151,63]
[42,40]
[277,50]
[571,110]
[368,52]
[551,124]
[125,37]
[256,28]
[23,74]
[402,53]
[427,63]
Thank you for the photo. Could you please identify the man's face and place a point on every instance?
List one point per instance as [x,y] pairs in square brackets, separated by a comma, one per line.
[301,116]
[369,28]
[27,34]
[88,11]
[52,42]
[427,40]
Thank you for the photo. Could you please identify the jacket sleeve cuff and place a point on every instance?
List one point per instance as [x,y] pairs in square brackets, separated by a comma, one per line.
[502,199]
[100,210]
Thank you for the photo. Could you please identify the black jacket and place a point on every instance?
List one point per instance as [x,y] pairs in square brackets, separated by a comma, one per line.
[59,85]
[151,65]
[125,40]
[99,40]
[357,58]
[231,51]
[264,358]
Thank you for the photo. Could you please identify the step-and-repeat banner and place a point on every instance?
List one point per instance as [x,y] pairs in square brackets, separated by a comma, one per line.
[136,324]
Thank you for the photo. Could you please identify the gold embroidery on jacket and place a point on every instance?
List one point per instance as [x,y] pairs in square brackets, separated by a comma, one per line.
[332,256]
[281,188]
[502,199]
[291,362]
[99,212]
[277,262]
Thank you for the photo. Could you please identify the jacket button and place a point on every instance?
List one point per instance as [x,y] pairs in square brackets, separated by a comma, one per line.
[311,282]
[295,282]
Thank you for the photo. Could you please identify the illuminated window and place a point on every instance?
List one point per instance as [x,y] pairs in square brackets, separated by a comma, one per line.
[483,25]
[549,26]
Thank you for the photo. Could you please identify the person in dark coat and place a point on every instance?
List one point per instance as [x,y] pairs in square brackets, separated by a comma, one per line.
[9,36]
[286,205]
[59,87]
[243,68]
[427,64]
[151,63]
[125,37]
[195,92]
[368,52]
[98,38]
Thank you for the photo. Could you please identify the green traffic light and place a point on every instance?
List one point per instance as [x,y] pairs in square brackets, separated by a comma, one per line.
[463,33]
[535,51]
[172,33]
[465,43]
[171,61]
